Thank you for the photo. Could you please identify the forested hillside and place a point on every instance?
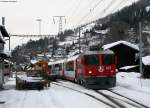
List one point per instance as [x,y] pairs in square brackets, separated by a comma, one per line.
[122,25]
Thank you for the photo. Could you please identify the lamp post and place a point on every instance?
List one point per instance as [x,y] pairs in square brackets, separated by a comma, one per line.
[39,20]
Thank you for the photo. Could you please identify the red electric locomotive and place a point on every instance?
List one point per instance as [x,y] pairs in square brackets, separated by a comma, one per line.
[96,69]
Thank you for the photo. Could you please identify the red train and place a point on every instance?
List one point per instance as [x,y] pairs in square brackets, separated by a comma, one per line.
[92,69]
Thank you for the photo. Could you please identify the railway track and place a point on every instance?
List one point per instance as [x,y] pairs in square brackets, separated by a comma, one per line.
[129,99]
[123,100]
[119,101]
[92,96]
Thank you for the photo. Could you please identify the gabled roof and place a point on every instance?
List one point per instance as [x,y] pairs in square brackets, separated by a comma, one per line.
[3,31]
[107,46]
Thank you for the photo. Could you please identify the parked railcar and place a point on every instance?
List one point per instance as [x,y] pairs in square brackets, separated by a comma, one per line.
[70,68]
[56,69]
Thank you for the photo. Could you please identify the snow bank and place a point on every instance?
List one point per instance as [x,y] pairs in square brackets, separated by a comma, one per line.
[133,86]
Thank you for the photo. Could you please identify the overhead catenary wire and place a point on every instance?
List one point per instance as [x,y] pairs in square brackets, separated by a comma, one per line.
[78,5]
[120,3]
[75,6]
[104,11]
[91,10]
[107,7]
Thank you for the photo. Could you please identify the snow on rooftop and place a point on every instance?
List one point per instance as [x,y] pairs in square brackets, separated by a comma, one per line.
[65,43]
[72,58]
[147,8]
[30,79]
[107,46]
[8,53]
[73,53]
[128,67]
[33,61]
[56,62]
[146,60]
[102,31]
[8,61]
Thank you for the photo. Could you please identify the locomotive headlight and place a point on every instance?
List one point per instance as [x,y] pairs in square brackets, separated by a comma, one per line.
[101,69]
[90,72]
[111,71]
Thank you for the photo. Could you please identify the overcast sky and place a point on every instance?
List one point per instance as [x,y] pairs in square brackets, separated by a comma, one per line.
[21,16]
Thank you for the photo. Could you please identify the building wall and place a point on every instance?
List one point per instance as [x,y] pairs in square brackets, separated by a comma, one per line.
[1,75]
[125,55]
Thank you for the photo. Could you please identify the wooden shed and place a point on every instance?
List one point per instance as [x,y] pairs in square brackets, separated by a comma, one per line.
[125,52]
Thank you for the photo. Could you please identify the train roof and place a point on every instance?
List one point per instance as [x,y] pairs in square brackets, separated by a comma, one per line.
[98,52]
[72,58]
[76,56]
[56,62]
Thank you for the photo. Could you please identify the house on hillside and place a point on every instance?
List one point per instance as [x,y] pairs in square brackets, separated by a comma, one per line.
[125,52]
[94,39]
[3,54]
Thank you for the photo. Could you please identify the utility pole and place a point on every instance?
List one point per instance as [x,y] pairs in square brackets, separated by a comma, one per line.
[61,18]
[79,40]
[140,47]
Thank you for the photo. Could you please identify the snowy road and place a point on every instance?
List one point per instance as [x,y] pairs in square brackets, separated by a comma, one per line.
[70,95]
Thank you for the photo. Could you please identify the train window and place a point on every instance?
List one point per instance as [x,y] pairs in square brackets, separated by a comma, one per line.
[92,60]
[70,66]
[58,67]
[108,59]
[49,67]
[6,66]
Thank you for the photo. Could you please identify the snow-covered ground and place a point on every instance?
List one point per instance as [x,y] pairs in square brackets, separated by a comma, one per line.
[131,85]
[128,84]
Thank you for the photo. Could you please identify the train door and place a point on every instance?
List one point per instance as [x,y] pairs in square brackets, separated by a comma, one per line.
[69,72]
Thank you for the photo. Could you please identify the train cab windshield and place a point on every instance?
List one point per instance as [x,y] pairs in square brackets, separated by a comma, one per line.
[92,60]
[108,59]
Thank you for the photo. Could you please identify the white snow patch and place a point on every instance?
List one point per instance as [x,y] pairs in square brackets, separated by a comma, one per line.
[146,60]
[147,8]
[133,86]
[128,67]
[33,61]
[102,31]
[65,43]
